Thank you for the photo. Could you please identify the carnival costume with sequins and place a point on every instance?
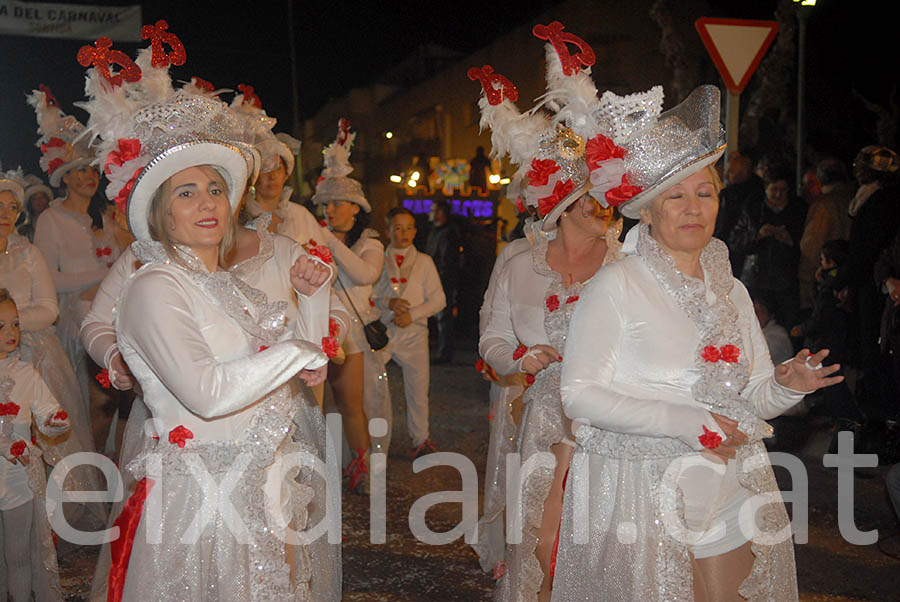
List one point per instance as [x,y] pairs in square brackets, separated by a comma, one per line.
[532,306]
[221,403]
[670,350]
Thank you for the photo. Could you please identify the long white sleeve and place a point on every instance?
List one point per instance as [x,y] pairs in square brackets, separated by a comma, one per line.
[158,322]
[498,342]
[513,248]
[769,398]
[44,308]
[363,269]
[44,405]
[98,331]
[590,363]
[340,315]
[435,300]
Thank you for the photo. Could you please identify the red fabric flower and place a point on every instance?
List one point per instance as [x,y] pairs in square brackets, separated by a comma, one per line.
[18,448]
[710,439]
[322,252]
[9,409]
[730,353]
[600,148]
[394,280]
[129,148]
[520,206]
[403,281]
[711,354]
[334,328]
[103,251]
[571,299]
[618,195]
[499,569]
[263,347]
[54,142]
[479,365]
[323,223]
[519,352]
[330,346]
[54,165]
[371,303]
[552,302]
[103,378]
[529,379]
[560,191]
[399,259]
[121,199]
[61,415]
[179,435]
[541,170]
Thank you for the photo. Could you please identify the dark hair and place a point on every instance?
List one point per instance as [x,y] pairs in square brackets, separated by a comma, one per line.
[398,211]
[780,172]
[359,224]
[831,170]
[836,250]
[96,208]
[764,298]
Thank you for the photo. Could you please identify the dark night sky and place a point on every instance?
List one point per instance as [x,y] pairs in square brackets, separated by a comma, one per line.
[344,44]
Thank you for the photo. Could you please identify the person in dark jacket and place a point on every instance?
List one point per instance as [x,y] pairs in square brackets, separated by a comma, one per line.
[772,231]
[443,246]
[743,189]
[875,213]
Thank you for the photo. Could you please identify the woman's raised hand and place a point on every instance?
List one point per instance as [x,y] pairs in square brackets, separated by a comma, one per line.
[539,357]
[805,372]
[307,275]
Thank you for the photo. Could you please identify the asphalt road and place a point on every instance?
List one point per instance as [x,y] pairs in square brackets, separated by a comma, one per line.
[406,570]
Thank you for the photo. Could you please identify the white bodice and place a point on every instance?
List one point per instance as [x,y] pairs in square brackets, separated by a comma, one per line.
[24,273]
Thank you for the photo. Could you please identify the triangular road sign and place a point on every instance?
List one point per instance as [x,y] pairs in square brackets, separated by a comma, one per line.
[736,47]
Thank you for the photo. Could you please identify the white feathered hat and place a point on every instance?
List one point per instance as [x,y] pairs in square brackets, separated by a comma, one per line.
[14,181]
[34,185]
[333,184]
[248,107]
[146,131]
[568,144]
[61,149]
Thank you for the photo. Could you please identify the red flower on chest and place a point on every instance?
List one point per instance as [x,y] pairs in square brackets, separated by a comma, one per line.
[552,302]
[18,448]
[179,435]
[710,439]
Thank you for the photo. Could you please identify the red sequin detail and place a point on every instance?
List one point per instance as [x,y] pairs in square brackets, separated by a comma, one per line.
[158,36]
[371,303]
[394,280]
[495,95]
[572,299]
[520,351]
[334,328]
[552,302]
[710,439]
[101,56]
[103,251]
[202,84]
[250,97]
[399,259]
[479,365]
[61,415]
[179,435]
[554,34]
[263,347]
[529,379]
[103,378]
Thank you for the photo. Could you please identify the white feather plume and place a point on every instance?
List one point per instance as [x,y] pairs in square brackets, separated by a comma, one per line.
[573,97]
[110,109]
[337,157]
[512,133]
[155,84]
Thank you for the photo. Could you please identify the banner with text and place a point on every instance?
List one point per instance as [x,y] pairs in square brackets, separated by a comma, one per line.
[77,21]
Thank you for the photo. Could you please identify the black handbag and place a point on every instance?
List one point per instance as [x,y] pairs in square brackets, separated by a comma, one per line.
[375,331]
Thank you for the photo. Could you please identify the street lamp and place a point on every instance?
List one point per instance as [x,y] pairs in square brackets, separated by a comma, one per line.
[396,179]
[494,178]
[389,135]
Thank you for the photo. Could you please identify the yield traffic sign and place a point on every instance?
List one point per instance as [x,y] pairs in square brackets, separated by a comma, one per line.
[736,47]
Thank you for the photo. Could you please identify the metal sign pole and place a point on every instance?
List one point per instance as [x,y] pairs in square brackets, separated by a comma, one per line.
[732,123]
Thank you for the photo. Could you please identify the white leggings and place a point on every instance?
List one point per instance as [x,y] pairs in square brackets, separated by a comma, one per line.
[15,553]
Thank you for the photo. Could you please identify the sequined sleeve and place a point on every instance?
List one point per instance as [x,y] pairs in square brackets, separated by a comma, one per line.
[590,364]
[156,321]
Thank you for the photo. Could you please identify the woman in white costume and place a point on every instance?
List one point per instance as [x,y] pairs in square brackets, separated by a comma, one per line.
[665,359]
[568,186]
[360,258]
[24,273]
[209,353]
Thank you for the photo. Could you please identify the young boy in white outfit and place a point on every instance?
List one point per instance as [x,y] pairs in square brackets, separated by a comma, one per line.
[408,293]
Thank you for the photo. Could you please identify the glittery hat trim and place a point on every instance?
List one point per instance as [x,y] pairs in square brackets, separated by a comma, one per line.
[229,158]
[632,207]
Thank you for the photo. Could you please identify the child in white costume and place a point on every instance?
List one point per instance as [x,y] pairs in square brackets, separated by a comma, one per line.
[24,530]
[408,293]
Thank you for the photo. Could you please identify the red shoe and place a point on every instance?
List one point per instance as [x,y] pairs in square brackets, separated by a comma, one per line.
[358,473]
[425,448]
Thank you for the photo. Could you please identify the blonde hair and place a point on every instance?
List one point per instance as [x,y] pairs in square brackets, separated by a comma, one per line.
[157,218]
[19,204]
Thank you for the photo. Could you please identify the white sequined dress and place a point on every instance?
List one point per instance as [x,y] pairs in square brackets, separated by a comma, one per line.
[215,375]
[650,354]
